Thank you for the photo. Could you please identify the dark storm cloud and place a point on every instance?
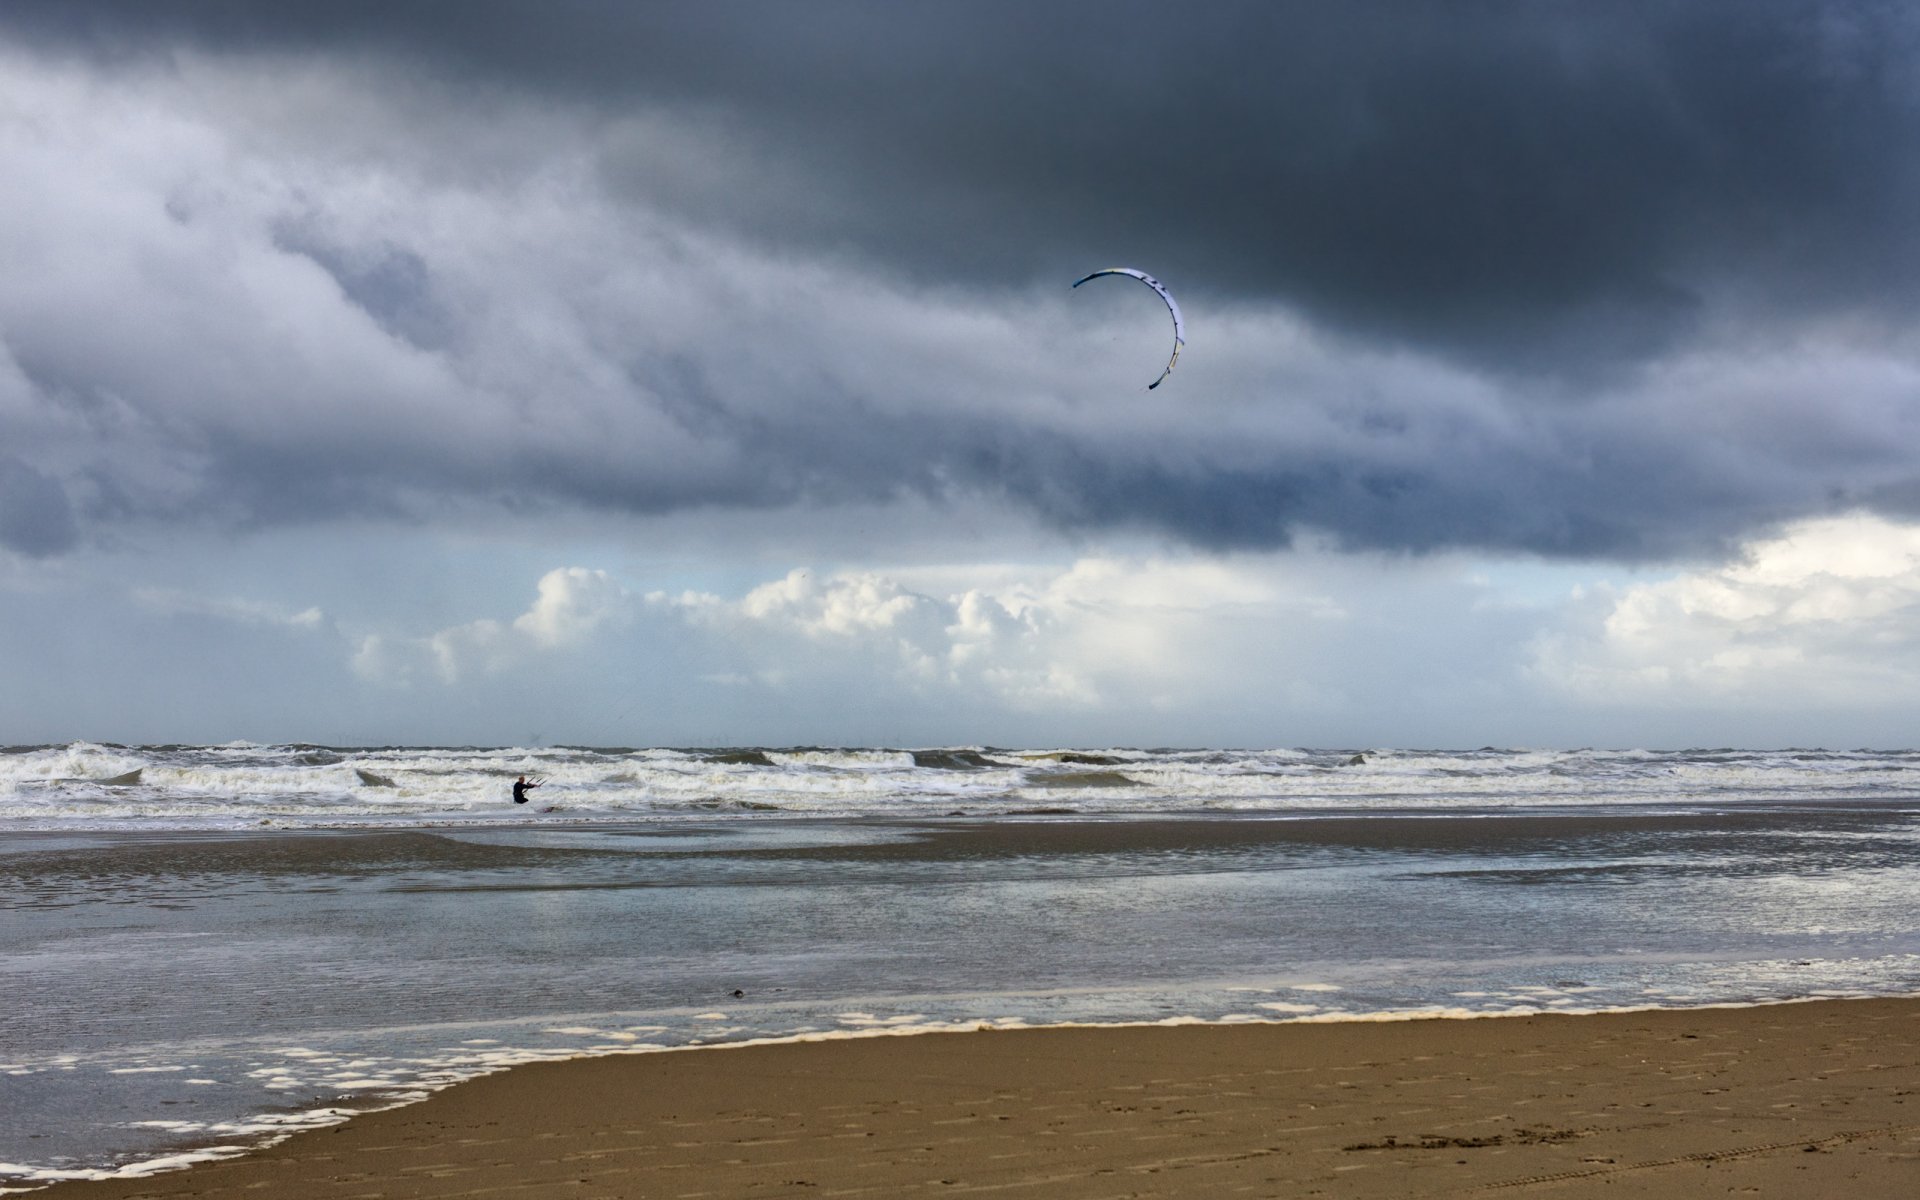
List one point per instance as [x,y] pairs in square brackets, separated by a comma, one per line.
[1545,205]
[1550,186]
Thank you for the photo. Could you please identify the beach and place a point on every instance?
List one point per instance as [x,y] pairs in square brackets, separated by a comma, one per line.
[251,942]
[1790,1100]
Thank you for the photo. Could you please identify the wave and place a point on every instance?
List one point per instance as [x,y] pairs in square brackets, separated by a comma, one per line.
[1084,779]
[951,760]
[85,785]
[740,758]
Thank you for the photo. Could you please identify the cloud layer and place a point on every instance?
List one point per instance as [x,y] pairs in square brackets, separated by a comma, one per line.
[1627,282]
[1814,628]
[1541,180]
[1825,616]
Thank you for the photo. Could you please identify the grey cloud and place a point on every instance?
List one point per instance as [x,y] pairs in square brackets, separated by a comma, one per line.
[1635,499]
[1540,186]
[389,283]
[36,518]
[1554,201]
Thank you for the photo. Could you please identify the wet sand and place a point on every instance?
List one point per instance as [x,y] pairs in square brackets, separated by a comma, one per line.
[1795,1100]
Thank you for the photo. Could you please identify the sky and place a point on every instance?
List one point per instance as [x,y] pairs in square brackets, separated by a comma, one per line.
[712,374]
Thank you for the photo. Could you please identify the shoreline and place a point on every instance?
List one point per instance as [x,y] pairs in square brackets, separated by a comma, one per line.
[1792,1097]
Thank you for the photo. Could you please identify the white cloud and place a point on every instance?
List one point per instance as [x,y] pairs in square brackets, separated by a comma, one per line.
[1098,632]
[1827,613]
[571,606]
[173,601]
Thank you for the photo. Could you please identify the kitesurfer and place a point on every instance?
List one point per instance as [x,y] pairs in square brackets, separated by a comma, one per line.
[521,787]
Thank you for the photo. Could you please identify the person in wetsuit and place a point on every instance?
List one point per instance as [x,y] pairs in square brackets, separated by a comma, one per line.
[521,787]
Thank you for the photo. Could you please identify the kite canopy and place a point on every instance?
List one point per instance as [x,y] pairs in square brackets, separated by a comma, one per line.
[1179,326]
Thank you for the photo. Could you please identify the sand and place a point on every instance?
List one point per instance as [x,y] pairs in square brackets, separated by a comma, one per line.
[1802,1100]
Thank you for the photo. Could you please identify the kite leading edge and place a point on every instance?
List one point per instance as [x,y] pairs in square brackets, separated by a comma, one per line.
[1179,326]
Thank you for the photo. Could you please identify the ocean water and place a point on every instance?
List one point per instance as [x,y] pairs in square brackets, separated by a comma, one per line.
[203,947]
[89,786]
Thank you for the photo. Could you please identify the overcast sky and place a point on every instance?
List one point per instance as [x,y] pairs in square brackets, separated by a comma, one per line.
[710,373]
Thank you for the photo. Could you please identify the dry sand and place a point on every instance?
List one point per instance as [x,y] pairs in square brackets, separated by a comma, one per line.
[1798,1100]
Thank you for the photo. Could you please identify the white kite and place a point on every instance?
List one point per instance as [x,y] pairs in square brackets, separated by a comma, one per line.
[1179,326]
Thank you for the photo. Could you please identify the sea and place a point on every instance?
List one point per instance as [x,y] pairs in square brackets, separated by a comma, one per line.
[204,948]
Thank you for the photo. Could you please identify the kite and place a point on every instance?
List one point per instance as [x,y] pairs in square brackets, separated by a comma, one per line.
[1179,326]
